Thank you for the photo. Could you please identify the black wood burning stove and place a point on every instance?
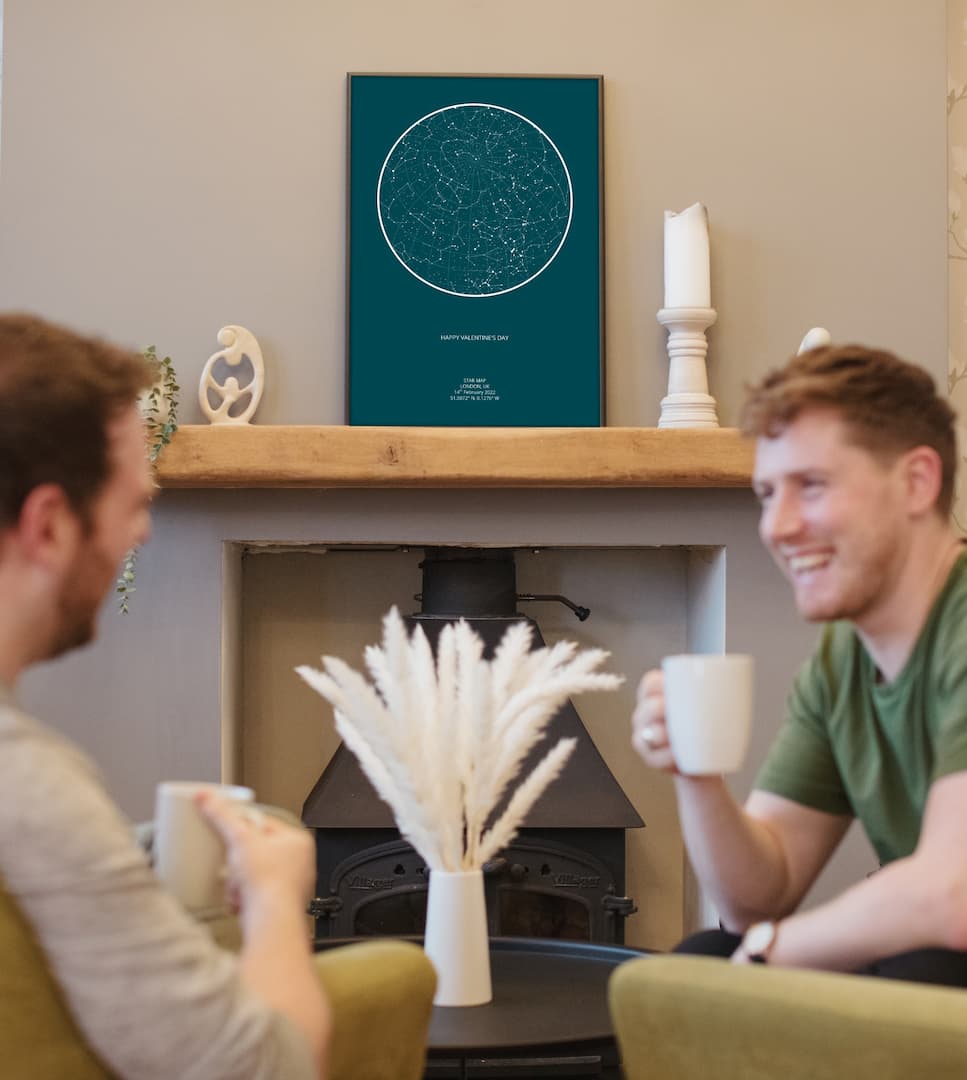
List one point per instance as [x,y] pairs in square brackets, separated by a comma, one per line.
[564,874]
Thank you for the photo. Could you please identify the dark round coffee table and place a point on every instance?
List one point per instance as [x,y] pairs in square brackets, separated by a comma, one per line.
[548,1017]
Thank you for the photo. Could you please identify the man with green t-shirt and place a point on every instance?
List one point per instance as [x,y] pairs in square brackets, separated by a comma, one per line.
[854,470]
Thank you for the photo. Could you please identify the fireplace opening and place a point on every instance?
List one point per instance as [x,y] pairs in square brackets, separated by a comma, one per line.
[562,877]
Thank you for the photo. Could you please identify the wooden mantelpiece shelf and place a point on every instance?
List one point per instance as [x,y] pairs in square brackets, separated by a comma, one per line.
[264,456]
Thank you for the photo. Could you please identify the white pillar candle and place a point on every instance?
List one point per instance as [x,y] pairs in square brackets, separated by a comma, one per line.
[686,258]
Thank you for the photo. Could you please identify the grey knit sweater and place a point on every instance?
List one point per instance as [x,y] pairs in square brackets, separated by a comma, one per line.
[153,994]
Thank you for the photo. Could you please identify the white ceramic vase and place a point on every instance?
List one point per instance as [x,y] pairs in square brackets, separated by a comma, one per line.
[456,937]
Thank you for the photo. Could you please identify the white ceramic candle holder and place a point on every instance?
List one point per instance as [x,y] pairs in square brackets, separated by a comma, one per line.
[688,403]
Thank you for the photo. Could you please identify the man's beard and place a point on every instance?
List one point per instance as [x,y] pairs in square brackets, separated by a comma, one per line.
[862,585]
[77,627]
[80,601]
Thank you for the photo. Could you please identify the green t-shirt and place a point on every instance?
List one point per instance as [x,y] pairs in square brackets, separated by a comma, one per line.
[851,745]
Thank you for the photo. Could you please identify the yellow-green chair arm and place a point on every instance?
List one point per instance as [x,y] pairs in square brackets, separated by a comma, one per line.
[381,993]
[682,1017]
[382,997]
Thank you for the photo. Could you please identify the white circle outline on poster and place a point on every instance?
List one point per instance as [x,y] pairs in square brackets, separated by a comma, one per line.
[516,285]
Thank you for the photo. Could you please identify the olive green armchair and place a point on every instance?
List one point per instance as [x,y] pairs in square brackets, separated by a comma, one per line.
[690,1017]
[381,994]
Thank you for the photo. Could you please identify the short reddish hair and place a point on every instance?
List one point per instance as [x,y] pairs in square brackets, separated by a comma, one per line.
[889,406]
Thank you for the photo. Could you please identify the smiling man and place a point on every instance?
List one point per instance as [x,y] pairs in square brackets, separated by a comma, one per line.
[854,470]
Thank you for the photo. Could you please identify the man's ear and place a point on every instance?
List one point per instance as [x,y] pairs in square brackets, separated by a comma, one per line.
[48,526]
[924,477]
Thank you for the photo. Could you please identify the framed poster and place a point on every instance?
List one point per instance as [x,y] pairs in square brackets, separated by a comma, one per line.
[475,268]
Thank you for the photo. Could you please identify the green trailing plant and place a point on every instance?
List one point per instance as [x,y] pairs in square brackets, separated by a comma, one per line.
[159,407]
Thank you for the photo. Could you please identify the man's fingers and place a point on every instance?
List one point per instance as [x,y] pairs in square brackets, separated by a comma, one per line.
[652,683]
[223,814]
[661,759]
[651,736]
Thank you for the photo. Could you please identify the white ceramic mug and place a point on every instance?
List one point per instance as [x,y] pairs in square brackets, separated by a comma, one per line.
[189,855]
[708,711]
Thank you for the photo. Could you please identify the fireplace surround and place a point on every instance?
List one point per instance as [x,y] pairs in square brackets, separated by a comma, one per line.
[299,603]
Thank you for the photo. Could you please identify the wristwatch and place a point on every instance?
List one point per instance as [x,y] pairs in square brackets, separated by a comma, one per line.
[759,941]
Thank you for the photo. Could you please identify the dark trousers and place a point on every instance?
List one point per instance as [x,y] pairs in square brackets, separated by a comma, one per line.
[944,967]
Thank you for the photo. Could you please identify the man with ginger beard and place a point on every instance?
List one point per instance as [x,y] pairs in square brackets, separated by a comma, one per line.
[151,992]
[854,470]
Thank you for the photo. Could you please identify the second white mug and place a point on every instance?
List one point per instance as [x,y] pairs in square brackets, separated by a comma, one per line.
[189,855]
[708,711]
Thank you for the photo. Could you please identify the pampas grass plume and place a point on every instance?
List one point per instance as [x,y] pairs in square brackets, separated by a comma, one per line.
[442,739]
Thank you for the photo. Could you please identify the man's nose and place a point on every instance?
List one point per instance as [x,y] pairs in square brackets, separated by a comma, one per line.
[781,519]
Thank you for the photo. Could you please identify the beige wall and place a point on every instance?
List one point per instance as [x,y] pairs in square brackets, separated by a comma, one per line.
[172,167]
[169,168]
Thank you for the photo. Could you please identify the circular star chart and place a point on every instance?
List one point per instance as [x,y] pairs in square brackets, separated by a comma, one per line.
[474,200]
